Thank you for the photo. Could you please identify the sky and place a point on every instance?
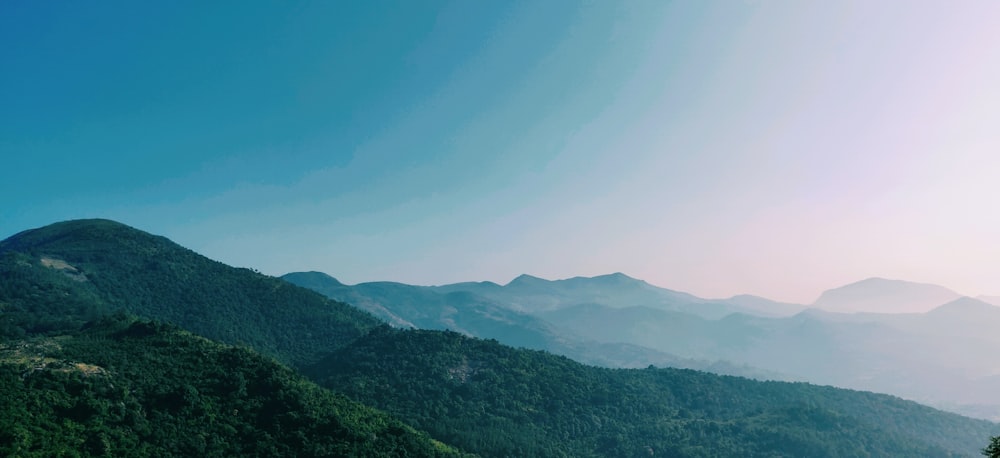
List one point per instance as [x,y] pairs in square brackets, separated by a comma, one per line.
[777,148]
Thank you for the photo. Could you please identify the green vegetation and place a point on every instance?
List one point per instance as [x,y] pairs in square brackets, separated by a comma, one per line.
[136,388]
[499,401]
[993,450]
[101,266]
[78,378]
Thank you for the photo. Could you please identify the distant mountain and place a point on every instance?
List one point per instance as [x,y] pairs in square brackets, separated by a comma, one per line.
[499,401]
[683,333]
[534,295]
[944,357]
[995,300]
[422,307]
[878,295]
[59,344]
[966,308]
[763,306]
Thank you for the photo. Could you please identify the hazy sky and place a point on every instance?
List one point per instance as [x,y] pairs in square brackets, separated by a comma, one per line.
[777,148]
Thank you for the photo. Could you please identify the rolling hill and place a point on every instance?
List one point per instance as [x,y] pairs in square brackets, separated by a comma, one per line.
[63,284]
[108,266]
[421,307]
[942,357]
[534,295]
[500,401]
[127,387]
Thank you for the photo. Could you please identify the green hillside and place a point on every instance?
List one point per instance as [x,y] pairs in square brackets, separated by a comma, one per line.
[77,376]
[100,266]
[500,401]
[136,388]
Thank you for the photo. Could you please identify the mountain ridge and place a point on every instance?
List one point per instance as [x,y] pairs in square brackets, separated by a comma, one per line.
[816,345]
[480,394]
[405,306]
[153,277]
[880,295]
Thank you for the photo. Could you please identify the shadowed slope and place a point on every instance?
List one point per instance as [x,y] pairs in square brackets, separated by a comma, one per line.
[123,268]
[500,401]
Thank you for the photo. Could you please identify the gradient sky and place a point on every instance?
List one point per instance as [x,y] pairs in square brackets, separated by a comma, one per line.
[777,148]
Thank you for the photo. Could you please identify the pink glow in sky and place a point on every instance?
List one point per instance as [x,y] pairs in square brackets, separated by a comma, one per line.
[772,148]
[777,148]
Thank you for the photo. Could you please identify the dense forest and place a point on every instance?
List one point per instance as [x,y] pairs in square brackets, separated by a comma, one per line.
[126,387]
[501,401]
[116,342]
[103,266]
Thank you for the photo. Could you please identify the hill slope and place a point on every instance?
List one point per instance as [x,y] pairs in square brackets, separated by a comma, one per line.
[480,395]
[945,357]
[499,401]
[466,312]
[103,265]
[536,295]
[135,388]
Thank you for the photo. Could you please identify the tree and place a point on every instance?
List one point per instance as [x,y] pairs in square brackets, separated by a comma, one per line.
[993,450]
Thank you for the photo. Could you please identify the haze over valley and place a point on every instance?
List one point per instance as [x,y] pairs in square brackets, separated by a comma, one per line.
[938,357]
[507,228]
[116,341]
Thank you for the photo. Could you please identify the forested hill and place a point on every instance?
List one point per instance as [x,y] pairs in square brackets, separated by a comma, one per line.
[102,266]
[499,401]
[75,379]
[136,388]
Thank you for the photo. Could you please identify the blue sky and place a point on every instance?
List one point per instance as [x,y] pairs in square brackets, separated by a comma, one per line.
[768,147]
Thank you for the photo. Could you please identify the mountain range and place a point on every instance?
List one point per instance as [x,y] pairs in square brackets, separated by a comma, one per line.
[117,342]
[880,295]
[846,338]
[409,306]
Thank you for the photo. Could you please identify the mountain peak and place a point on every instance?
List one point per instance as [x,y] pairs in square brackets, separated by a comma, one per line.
[312,277]
[966,305]
[615,280]
[616,277]
[93,233]
[526,280]
[881,295]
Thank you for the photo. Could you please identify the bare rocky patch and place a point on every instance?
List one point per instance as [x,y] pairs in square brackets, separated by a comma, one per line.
[64,267]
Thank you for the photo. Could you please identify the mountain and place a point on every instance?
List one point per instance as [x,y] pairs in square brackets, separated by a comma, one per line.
[534,295]
[995,300]
[62,283]
[878,295]
[763,306]
[683,333]
[945,357]
[500,401]
[106,266]
[77,379]
[126,387]
[421,307]
[942,358]
[965,316]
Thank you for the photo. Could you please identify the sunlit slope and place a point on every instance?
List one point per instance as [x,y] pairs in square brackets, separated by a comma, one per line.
[118,267]
[137,388]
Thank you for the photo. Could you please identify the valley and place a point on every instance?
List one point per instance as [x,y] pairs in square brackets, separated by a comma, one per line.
[130,308]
